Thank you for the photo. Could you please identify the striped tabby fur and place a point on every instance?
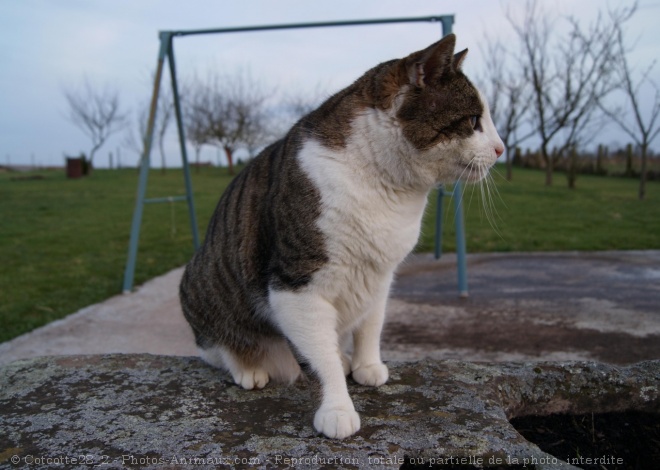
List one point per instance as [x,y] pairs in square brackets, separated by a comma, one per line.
[302,248]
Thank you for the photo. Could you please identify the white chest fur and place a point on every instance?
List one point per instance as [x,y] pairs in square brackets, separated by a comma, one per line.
[369,227]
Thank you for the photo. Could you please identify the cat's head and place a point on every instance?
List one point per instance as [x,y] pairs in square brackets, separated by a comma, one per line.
[442,117]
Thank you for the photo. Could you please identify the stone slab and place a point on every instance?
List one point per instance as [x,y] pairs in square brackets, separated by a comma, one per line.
[145,411]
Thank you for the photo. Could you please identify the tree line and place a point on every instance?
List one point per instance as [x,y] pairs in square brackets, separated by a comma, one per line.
[229,112]
[558,83]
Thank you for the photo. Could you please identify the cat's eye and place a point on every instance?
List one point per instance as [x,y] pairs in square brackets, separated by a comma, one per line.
[474,122]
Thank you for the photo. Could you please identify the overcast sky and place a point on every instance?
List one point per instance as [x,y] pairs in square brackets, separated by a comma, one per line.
[49,45]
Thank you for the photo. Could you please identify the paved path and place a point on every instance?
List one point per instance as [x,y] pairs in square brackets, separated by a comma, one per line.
[529,307]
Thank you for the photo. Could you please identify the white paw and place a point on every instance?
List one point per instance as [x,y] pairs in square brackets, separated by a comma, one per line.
[372,374]
[251,378]
[337,422]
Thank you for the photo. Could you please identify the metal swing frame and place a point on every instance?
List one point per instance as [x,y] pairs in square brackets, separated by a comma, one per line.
[166,51]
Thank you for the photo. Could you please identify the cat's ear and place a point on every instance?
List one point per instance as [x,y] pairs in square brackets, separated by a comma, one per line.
[459,57]
[423,66]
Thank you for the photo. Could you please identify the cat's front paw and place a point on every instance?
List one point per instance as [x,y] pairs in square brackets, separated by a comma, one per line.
[371,374]
[337,422]
[251,378]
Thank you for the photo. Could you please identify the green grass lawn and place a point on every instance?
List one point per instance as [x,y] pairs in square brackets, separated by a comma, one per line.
[63,242]
[603,213]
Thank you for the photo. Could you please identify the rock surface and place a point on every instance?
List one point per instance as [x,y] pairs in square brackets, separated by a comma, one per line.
[143,411]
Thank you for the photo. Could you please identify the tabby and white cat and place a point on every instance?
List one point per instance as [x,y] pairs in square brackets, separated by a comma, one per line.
[301,250]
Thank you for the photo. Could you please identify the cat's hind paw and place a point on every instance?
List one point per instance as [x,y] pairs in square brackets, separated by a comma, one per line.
[337,422]
[372,374]
[251,378]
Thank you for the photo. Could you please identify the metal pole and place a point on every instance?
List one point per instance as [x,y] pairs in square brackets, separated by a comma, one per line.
[461,249]
[447,24]
[445,20]
[461,261]
[129,273]
[461,258]
[438,222]
[182,143]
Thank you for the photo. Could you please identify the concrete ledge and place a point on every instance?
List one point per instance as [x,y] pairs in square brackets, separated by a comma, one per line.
[129,411]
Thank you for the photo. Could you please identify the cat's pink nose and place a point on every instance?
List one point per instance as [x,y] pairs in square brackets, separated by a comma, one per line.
[499,150]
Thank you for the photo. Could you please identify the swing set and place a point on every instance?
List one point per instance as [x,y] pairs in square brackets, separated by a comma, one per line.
[166,51]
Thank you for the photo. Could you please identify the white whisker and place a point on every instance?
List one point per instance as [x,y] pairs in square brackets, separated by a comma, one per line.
[491,207]
[462,195]
[497,191]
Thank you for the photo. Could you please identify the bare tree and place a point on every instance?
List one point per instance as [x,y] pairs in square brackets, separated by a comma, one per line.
[642,129]
[269,125]
[244,114]
[229,112]
[591,68]
[567,79]
[250,127]
[295,105]
[508,93]
[257,133]
[96,112]
[136,136]
[195,98]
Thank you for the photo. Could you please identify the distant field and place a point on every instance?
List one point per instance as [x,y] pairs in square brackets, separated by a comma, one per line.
[63,242]
[603,213]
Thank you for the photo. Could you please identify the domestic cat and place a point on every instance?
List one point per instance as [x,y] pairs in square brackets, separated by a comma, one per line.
[302,248]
